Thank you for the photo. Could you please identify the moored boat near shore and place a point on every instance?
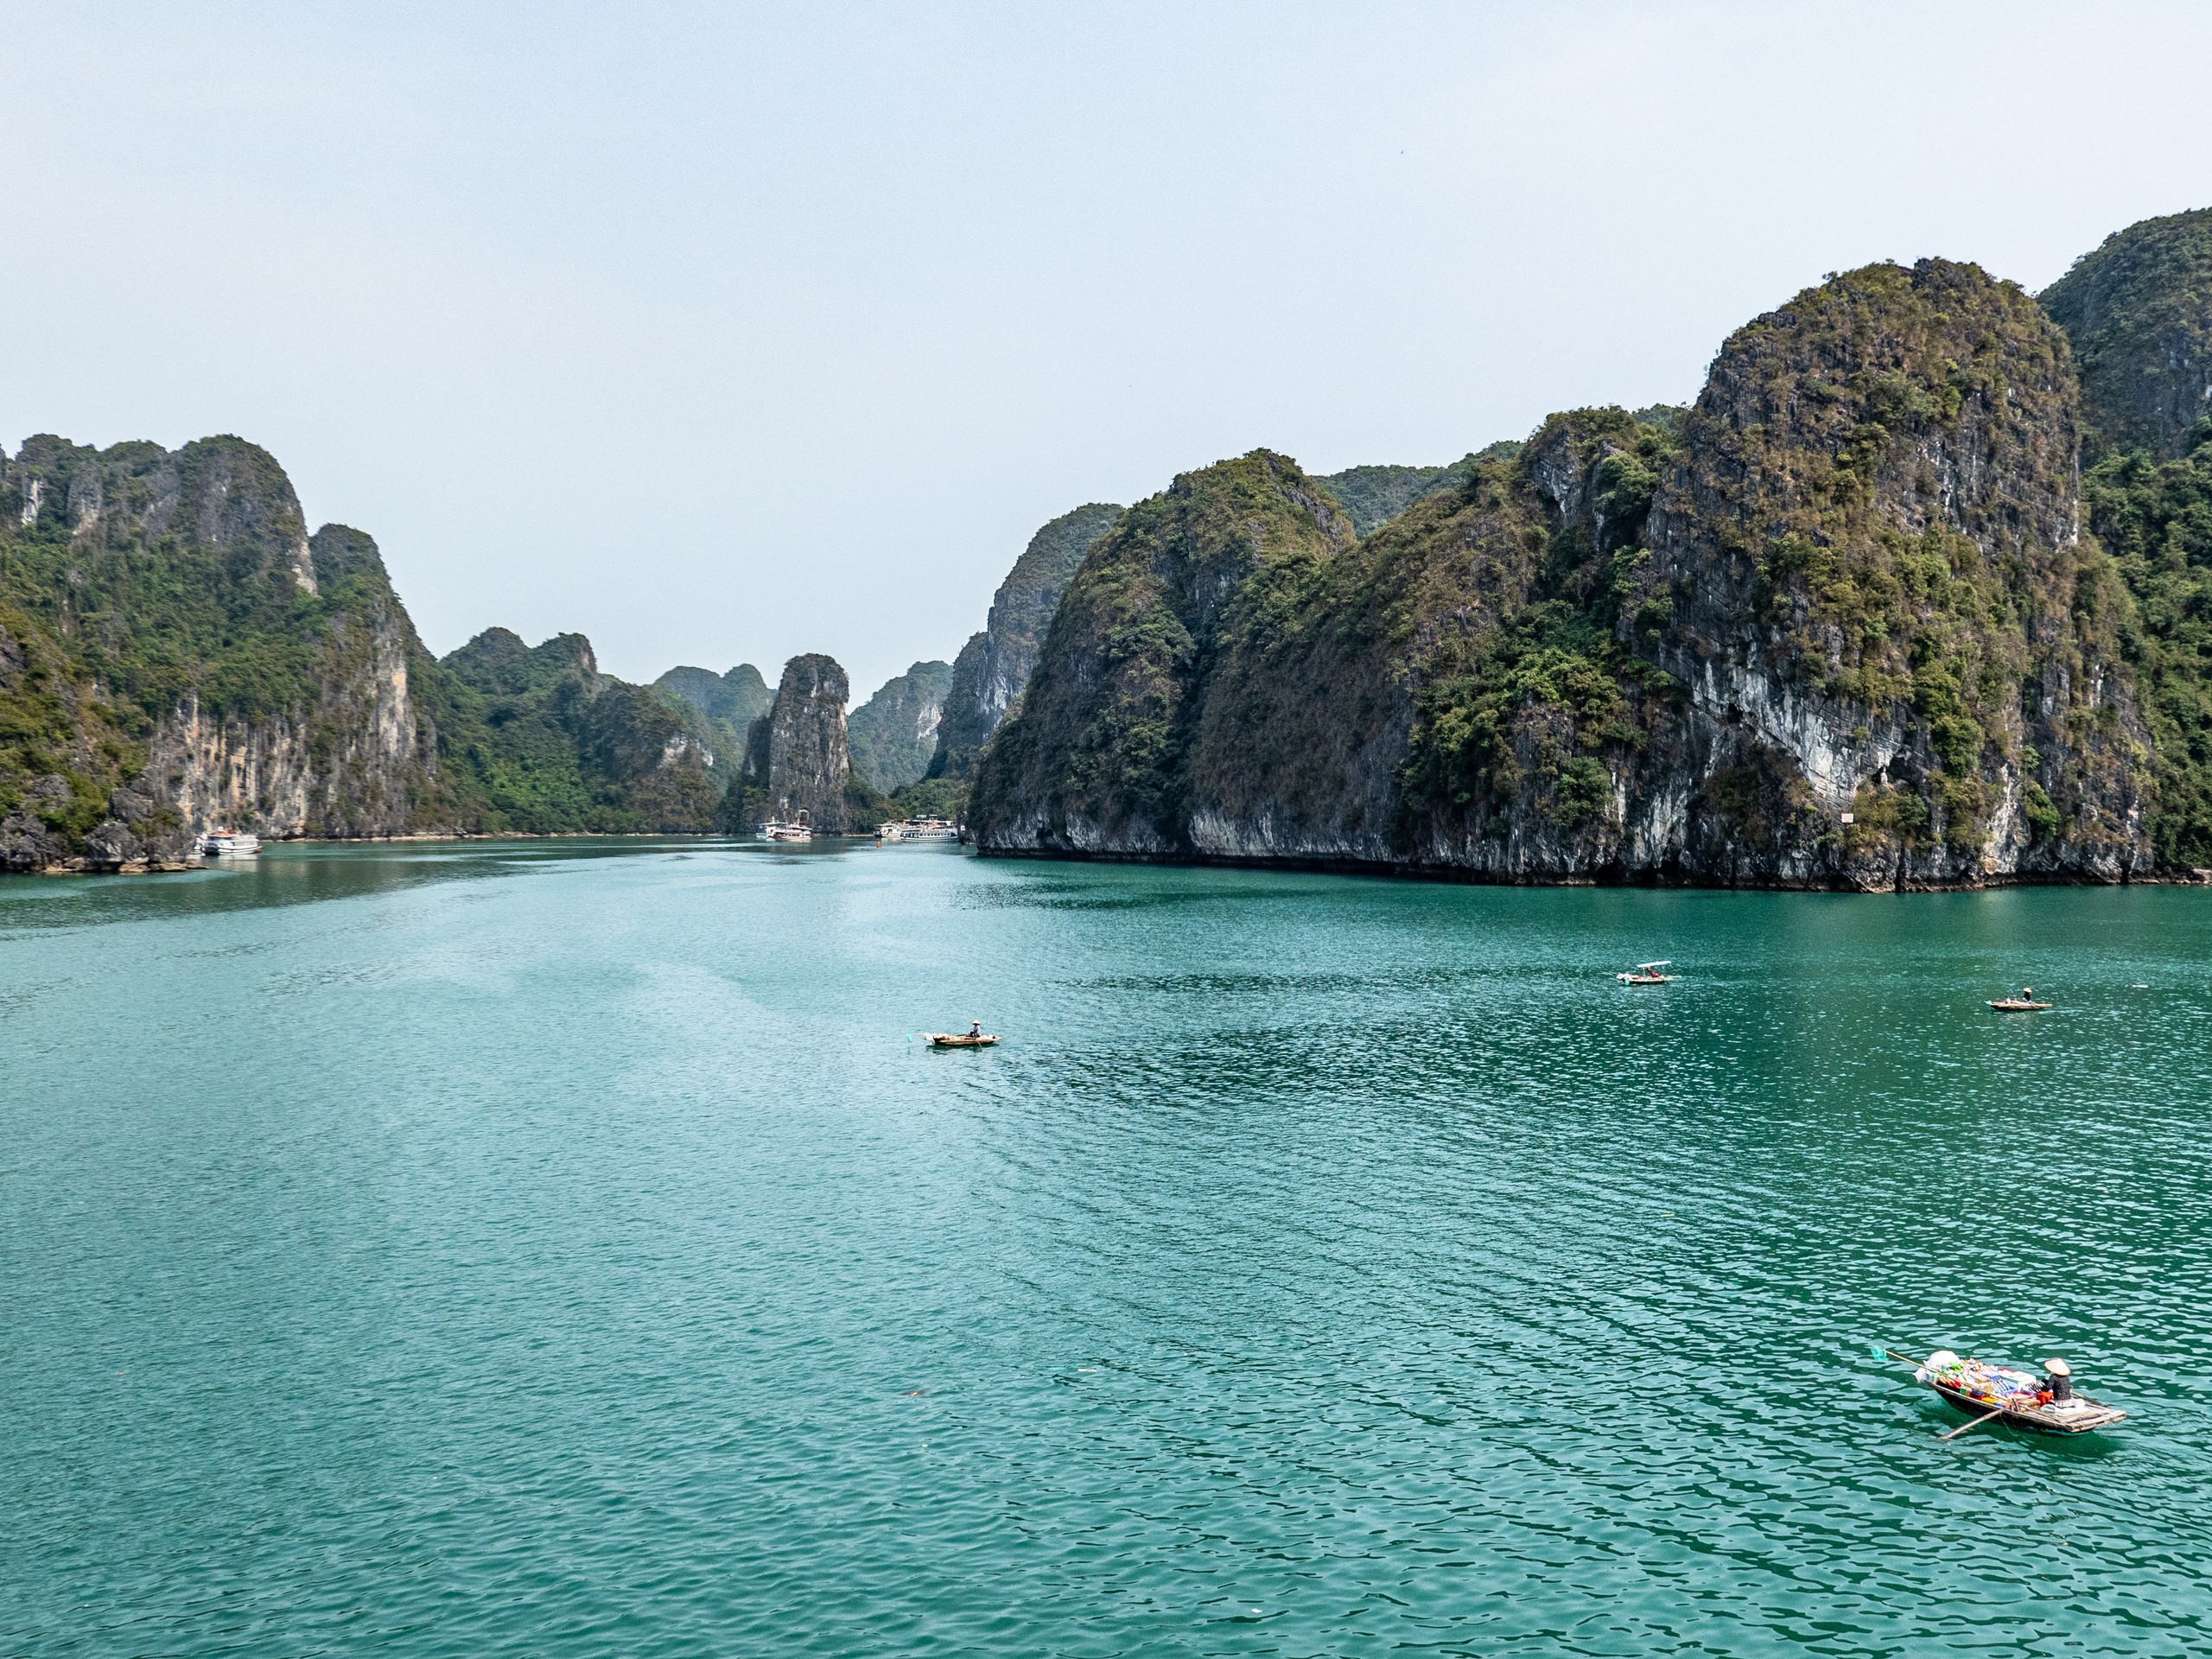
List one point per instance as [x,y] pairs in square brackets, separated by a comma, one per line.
[918,829]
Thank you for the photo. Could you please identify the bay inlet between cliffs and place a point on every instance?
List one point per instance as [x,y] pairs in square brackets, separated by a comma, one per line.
[566,1249]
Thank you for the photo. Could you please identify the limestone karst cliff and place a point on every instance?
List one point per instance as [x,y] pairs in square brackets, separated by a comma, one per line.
[994,666]
[176,653]
[1836,627]
[2138,312]
[176,650]
[798,752]
[1372,496]
[737,698]
[721,709]
[894,735]
[1857,619]
[542,742]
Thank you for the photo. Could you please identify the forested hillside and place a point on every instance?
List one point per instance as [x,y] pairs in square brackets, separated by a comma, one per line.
[1834,625]
[176,649]
[177,652]
[2139,311]
[1918,593]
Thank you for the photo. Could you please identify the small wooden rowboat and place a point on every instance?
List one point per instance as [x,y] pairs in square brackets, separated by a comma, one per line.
[2018,1005]
[960,1039]
[2046,1403]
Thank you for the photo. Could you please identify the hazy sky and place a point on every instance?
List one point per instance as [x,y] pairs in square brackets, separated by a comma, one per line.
[722,334]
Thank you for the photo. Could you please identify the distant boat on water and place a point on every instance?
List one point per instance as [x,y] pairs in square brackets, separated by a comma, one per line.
[227,843]
[1650,973]
[975,1038]
[786,832]
[920,829]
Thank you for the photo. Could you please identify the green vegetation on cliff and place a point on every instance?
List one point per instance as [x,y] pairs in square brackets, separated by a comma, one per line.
[546,744]
[141,590]
[2139,311]
[721,709]
[1372,496]
[993,666]
[1832,625]
[1905,441]
[894,735]
[1521,697]
[2155,518]
[1882,474]
[1109,714]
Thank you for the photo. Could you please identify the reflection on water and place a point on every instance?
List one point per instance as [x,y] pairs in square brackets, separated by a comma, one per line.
[306,872]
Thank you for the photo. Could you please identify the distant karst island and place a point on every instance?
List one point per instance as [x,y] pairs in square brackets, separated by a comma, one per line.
[1916,594]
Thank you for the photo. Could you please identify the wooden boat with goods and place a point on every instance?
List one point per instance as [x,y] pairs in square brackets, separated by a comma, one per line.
[2024,1003]
[1650,973]
[961,1039]
[2047,1404]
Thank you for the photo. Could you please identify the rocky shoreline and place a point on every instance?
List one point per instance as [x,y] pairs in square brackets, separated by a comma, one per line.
[1305,864]
[1462,875]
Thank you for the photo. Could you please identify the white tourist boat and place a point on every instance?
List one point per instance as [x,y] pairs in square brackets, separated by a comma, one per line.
[227,843]
[786,832]
[918,829]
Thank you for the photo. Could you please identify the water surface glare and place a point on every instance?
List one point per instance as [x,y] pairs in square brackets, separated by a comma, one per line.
[566,1249]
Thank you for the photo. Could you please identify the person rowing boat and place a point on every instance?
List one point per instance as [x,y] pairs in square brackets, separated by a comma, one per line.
[974,1037]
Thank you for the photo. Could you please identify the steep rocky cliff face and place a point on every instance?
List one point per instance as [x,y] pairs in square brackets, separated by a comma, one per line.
[799,749]
[894,735]
[721,708]
[1096,761]
[177,652]
[990,672]
[1875,590]
[2139,311]
[1836,627]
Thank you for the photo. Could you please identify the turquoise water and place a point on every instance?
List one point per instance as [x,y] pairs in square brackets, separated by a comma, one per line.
[564,1248]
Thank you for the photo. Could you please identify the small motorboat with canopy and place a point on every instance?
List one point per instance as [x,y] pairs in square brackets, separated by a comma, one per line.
[1650,973]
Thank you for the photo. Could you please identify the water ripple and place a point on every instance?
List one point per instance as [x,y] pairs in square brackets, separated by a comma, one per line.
[567,1250]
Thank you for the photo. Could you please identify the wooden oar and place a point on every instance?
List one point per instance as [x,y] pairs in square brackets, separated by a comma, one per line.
[1977,1423]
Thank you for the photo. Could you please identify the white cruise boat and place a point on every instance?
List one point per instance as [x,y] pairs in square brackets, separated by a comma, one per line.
[786,832]
[227,843]
[919,829]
